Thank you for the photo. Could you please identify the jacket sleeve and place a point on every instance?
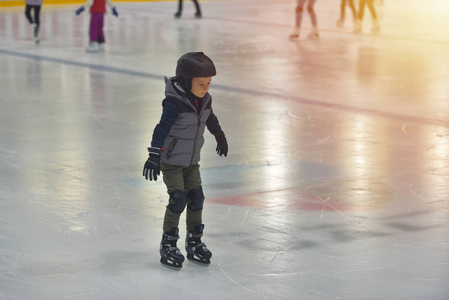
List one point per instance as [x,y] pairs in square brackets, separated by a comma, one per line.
[168,118]
[213,125]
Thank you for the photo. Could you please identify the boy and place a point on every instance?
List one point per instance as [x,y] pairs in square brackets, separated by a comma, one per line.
[175,150]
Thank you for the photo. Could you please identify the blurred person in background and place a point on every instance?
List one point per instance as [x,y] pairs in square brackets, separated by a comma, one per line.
[358,24]
[34,20]
[341,21]
[97,10]
[197,7]
[298,14]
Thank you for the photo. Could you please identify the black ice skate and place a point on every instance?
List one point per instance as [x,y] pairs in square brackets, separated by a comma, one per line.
[170,254]
[36,33]
[196,250]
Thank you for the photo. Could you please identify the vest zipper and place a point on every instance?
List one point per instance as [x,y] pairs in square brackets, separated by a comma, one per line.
[171,147]
[196,137]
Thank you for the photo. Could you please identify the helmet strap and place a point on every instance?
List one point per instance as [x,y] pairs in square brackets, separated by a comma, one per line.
[186,84]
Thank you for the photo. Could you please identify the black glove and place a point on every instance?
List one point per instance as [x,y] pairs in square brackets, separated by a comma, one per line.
[222,144]
[151,168]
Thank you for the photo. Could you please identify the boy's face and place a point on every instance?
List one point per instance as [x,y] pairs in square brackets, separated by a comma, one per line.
[200,86]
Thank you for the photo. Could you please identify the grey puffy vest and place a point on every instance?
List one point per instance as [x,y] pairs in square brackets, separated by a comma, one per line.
[185,139]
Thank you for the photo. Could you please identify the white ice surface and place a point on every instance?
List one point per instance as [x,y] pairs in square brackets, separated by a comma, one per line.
[335,186]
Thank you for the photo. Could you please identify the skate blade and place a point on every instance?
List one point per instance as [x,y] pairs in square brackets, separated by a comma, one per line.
[172,266]
[199,261]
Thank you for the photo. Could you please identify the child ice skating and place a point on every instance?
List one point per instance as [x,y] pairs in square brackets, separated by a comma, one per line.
[341,21]
[35,6]
[298,14]
[197,7]
[358,24]
[97,11]
[175,150]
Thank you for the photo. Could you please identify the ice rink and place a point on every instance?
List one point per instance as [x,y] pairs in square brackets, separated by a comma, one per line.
[336,185]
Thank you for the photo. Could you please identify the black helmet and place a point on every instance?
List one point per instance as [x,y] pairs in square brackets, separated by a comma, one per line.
[195,64]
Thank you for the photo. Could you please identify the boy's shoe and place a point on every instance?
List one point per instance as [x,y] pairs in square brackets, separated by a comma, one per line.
[171,256]
[198,15]
[196,250]
[178,15]
[101,47]
[93,47]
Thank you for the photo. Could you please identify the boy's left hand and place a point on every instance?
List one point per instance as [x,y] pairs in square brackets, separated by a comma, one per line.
[222,144]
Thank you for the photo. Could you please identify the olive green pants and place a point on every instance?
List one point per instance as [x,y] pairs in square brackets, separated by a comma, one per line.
[182,179]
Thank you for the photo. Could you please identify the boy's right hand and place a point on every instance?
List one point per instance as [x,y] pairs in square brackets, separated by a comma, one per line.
[79,10]
[151,169]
